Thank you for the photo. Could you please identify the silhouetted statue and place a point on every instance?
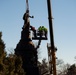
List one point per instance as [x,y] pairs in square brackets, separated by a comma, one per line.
[26,49]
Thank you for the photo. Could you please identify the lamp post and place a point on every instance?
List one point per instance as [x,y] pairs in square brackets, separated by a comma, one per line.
[53,49]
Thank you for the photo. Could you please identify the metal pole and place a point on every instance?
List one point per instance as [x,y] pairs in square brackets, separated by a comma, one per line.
[51,37]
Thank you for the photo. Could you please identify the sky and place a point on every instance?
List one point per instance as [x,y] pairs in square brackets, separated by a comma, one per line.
[64,25]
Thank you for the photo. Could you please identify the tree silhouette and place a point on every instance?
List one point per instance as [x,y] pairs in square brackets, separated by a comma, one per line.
[7,64]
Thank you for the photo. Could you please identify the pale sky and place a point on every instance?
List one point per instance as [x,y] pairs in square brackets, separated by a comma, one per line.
[64,24]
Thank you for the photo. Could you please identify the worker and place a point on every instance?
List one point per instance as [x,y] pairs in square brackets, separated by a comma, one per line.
[34,30]
[42,30]
[45,30]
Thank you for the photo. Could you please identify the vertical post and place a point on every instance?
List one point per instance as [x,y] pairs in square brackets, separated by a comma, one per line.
[51,37]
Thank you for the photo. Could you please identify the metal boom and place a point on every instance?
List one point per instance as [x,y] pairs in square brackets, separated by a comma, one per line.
[51,38]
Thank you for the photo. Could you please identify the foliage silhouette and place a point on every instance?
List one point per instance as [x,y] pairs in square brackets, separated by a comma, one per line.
[11,65]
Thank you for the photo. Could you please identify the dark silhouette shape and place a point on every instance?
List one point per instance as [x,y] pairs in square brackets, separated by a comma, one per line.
[26,49]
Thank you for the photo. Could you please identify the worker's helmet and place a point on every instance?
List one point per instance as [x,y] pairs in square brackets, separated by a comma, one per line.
[42,26]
